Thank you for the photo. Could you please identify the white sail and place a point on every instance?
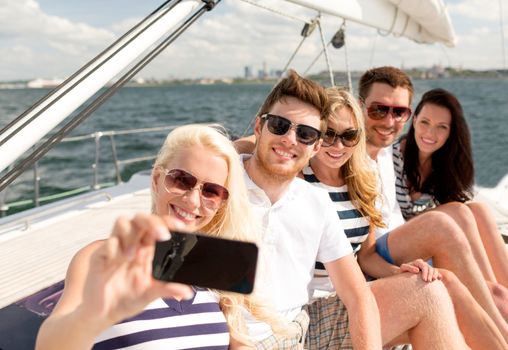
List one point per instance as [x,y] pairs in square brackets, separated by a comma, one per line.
[424,21]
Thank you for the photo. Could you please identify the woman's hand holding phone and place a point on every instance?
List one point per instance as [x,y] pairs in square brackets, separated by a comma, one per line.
[119,282]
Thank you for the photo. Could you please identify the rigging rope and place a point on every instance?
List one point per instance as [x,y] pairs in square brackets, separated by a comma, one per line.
[325,50]
[340,33]
[315,60]
[74,122]
[293,55]
[271,9]
[501,22]
[99,60]
[371,58]
[307,30]
[350,83]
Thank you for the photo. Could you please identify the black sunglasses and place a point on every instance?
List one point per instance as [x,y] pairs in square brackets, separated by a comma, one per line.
[180,182]
[278,125]
[348,138]
[379,111]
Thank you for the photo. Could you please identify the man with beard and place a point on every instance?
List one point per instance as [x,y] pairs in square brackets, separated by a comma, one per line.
[300,227]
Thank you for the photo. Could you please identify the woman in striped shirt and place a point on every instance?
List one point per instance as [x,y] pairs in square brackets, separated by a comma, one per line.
[111,301]
[434,170]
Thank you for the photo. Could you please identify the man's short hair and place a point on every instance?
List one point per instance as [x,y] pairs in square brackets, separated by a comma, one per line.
[386,75]
[302,89]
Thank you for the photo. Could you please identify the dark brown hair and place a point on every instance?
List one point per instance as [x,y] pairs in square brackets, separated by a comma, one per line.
[452,175]
[304,90]
[387,75]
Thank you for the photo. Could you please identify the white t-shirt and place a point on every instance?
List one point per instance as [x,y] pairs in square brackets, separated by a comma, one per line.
[299,229]
[390,209]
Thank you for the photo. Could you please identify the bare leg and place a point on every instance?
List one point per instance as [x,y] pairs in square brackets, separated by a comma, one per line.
[436,235]
[420,312]
[500,294]
[464,217]
[476,326]
[492,240]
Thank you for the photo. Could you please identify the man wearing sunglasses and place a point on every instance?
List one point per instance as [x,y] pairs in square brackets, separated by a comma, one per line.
[300,227]
[385,95]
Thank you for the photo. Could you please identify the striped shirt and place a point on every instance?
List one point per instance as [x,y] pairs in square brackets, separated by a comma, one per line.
[408,207]
[197,323]
[355,225]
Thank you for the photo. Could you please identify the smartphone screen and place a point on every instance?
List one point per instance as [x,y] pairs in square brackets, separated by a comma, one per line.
[207,262]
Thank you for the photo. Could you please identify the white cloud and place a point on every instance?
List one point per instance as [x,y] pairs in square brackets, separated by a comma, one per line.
[65,44]
[222,44]
[232,36]
[25,19]
[479,9]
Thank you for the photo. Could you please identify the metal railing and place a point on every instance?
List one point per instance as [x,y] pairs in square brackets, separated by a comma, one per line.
[95,185]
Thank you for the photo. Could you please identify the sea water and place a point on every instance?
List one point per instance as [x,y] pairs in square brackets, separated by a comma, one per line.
[69,165]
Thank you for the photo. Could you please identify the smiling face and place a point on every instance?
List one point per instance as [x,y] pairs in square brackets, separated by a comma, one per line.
[206,166]
[382,133]
[336,155]
[282,156]
[432,127]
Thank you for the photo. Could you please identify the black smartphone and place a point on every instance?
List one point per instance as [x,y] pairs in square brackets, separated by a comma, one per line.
[208,262]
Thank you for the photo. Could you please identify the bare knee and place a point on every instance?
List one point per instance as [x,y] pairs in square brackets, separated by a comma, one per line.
[462,213]
[436,292]
[445,232]
[477,206]
[481,212]
[438,303]
[498,291]
[448,277]
[413,290]
[454,286]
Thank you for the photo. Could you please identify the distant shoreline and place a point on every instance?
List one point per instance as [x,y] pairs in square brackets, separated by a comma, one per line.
[432,73]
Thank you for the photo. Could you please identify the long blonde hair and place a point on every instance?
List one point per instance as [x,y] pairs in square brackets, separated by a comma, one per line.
[361,181]
[234,220]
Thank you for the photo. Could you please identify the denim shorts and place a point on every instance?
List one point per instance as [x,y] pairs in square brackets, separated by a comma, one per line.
[382,248]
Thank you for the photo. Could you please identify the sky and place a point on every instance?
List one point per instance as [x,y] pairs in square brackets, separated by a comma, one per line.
[53,38]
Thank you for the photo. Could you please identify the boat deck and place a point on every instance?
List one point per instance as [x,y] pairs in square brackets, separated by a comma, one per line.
[34,257]
[36,247]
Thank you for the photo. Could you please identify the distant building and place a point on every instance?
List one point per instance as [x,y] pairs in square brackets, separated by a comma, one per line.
[139,80]
[263,73]
[248,74]
[275,73]
[44,83]
[436,71]
[206,81]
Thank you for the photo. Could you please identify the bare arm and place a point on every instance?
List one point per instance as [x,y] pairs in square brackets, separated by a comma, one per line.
[352,289]
[235,344]
[371,262]
[107,281]
[245,144]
